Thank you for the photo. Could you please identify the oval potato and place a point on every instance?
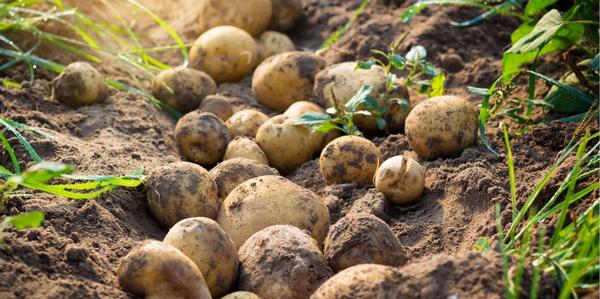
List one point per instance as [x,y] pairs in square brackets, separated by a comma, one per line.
[349,159]
[245,147]
[183,88]
[202,137]
[253,16]
[400,179]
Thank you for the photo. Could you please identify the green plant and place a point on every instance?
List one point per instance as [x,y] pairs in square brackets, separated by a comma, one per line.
[22,221]
[344,28]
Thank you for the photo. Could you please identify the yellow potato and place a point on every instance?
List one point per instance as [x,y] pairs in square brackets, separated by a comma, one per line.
[229,174]
[401,179]
[298,109]
[183,88]
[241,295]
[364,281]
[272,43]
[245,123]
[217,105]
[202,137]
[79,84]
[245,147]
[253,16]
[349,159]
[285,14]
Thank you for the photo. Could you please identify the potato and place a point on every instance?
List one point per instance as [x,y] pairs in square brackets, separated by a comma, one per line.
[202,137]
[229,174]
[206,244]
[285,14]
[245,123]
[441,127]
[282,261]
[183,88]
[272,43]
[245,147]
[217,105]
[79,84]
[181,190]
[225,53]
[269,200]
[396,114]
[253,16]
[401,179]
[241,295]
[286,78]
[349,159]
[296,110]
[364,281]
[362,239]
[160,271]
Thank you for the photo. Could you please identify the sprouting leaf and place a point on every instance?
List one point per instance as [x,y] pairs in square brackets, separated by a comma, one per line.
[26,220]
[365,65]
[419,6]
[403,103]
[398,61]
[358,98]
[478,90]
[437,85]
[416,54]
[536,6]
[430,69]
[580,95]
[595,65]
[312,118]
[45,171]
[11,84]
[482,245]
[327,126]
[543,31]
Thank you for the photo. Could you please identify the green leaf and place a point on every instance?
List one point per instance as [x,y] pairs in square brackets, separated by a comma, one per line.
[580,95]
[566,97]
[380,123]
[358,98]
[521,31]
[536,6]
[11,84]
[327,126]
[45,171]
[437,85]
[595,65]
[398,61]
[419,6]
[478,90]
[365,65]
[311,119]
[482,245]
[27,220]
[543,31]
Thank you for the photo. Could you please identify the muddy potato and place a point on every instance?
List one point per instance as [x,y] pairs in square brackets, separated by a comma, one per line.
[79,84]
[273,43]
[269,200]
[202,137]
[183,88]
[160,271]
[285,14]
[229,174]
[225,53]
[298,109]
[245,123]
[349,159]
[400,179]
[286,78]
[217,105]
[245,147]
[206,244]
[282,261]
[441,127]
[364,281]
[241,295]
[181,190]
[253,16]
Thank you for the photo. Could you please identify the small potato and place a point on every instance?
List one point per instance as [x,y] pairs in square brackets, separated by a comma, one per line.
[285,14]
[245,123]
[79,84]
[296,110]
[202,137]
[206,244]
[253,16]
[241,295]
[181,190]
[282,261]
[225,53]
[400,179]
[229,174]
[441,127]
[349,159]
[217,105]
[183,88]
[364,281]
[269,200]
[245,147]
[286,78]
[272,43]
[160,271]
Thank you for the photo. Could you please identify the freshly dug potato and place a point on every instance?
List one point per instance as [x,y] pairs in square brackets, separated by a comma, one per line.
[285,14]
[217,105]
[269,200]
[206,244]
[230,173]
[253,16]
[349,159]
[286,78]
[160,271]
[225,53]
[298,109]
[401,179]
[272,43]
[245,123]
[181,190]
[79,84]
[183,88]
[362,239]
[364,281]
[441,127]
[241,295]
[245,147]
[282,261]
[202,137]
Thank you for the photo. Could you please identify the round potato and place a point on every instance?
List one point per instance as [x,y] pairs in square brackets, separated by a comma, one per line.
[245,147]
[230,173]
[272,43]
[79,84]
[217,105]
[202,137]
[206,244]
[286,78]
[181,190]
[296,110]
[285,14]
[269,200]
[441,127]
[183,88]
[159,270]
[245,123]
[364,281]
[253,16]
[241,295]
[281,261]
[349,159]
[225,53]
[400,179]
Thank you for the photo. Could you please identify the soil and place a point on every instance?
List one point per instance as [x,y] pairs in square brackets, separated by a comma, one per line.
[76,252]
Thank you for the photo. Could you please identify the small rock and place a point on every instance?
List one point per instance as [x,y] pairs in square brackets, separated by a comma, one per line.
[75,253]
[451,62]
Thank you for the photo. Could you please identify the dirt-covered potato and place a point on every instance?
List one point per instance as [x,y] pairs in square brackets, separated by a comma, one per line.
[202,137]
[366,281]
[282,261]
[230,173]
[241,295]
[272,43]
[160,271]
[183,88]
[349,159]
[181,190]
[362,239]
[206,244]
[285,14]
[245,147]
[441,127]
[253,16]
[298,109]
[225,53]
[245,123]
[286,78]
[218,105]
[401,179]
[79,84]
[269,200]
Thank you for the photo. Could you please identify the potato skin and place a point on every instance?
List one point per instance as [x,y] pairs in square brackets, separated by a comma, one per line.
[285,14]
[241,295]
[441,127]
[296,110]
[252,16]
[217,105]
[229,174]
[202,137]
[401,179]
[364,281]
[286,78]
[270,200]
[181,190]
[225,53]
[245,123]
[349,159]
[281,261]
[78,85]
[206,244]
[245,147]
[273,43]
[183,88]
